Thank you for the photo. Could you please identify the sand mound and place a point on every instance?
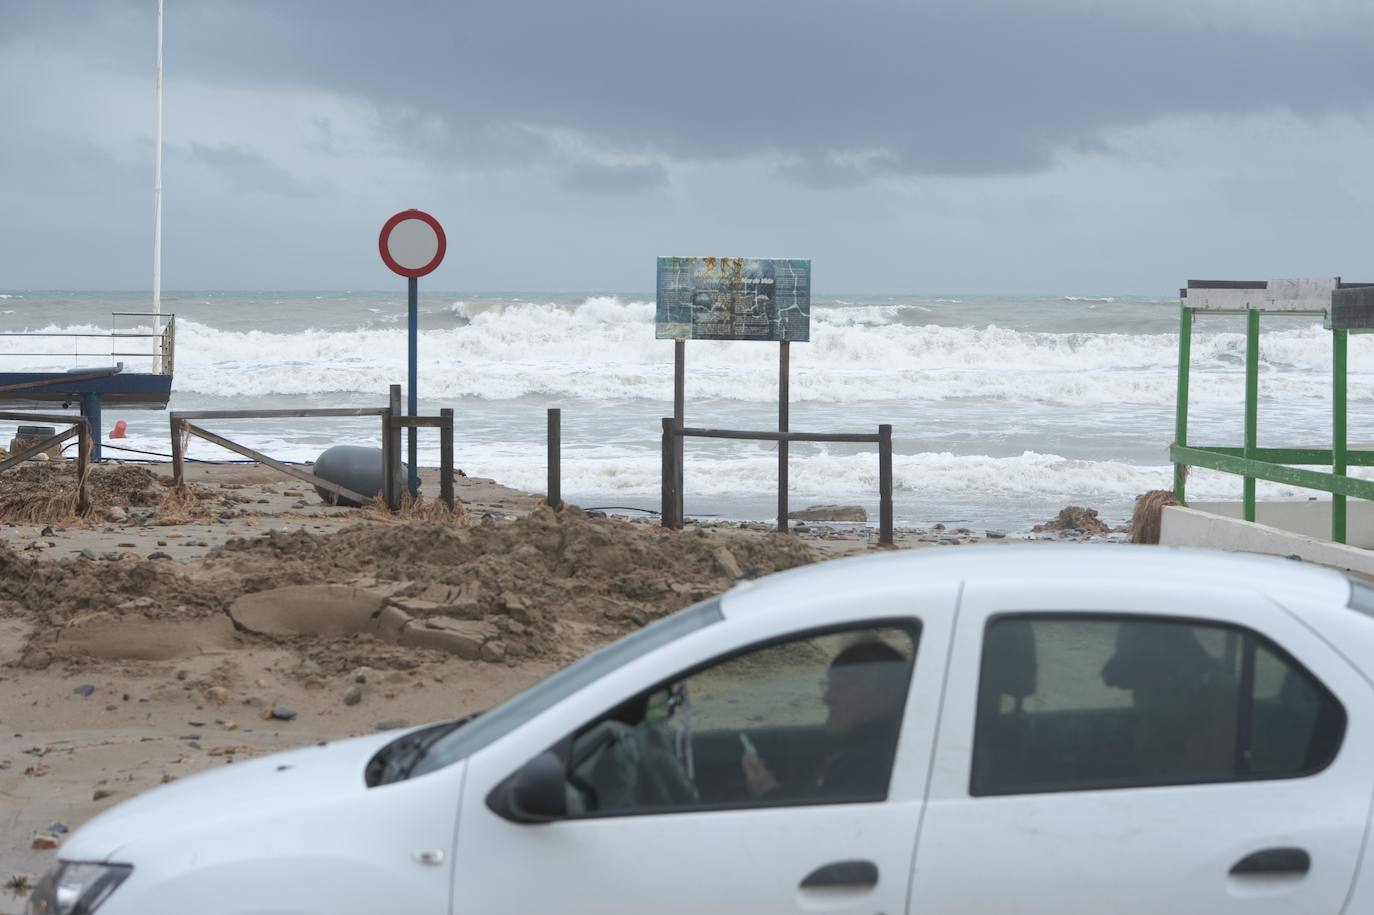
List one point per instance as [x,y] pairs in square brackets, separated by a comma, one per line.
[535,582]
[547,585]
[37,492]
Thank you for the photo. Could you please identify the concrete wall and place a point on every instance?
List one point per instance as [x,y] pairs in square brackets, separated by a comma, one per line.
[1311,519]
[1194,526]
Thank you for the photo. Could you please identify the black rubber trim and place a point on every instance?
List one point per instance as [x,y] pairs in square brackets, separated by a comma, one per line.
[842,873]
[1274,861]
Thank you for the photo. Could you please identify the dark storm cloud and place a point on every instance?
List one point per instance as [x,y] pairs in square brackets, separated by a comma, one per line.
[937,87]
[245,171]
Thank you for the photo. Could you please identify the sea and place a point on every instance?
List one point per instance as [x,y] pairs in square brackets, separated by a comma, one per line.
[1004,408]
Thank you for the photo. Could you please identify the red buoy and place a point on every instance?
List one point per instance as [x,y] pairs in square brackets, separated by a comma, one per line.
[119,429]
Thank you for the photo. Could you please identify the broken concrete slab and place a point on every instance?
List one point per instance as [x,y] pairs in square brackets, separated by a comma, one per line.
[307,610]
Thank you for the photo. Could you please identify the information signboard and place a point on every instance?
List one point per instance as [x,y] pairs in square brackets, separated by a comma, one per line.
[734,298]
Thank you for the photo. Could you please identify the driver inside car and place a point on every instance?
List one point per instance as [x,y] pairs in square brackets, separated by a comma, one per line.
[864,692]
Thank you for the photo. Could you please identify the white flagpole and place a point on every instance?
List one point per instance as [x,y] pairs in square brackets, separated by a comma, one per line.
[157,205]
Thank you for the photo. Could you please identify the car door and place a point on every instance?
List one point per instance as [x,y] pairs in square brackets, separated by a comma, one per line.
[817,832]
[1115,748]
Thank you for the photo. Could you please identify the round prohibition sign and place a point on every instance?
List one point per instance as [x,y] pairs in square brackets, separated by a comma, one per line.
[412,243]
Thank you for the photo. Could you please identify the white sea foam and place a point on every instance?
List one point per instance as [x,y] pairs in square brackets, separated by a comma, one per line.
[604,349]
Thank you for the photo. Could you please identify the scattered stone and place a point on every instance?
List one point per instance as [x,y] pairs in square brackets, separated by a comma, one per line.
[84,690]
[353,696]
[159,555]
[47,532]
[58,829]
[100,794]
[217,694]
[282,713]
[494,652]
[995,535]
[391,724]
[88,554]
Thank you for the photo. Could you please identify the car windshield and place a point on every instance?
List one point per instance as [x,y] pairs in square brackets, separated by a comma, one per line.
[506,717]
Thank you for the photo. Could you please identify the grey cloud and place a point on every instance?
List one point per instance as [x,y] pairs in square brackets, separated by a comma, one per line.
[245,170]
[949,88]
[601,178]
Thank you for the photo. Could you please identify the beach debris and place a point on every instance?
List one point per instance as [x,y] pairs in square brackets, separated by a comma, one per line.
[44,842]
[830,513]
[18,885]
[1075,518]
[1149,515]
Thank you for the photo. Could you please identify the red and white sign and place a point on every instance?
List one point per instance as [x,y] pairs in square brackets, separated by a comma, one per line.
[412,243]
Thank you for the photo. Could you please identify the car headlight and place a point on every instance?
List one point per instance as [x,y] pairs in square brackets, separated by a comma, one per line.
[76,888]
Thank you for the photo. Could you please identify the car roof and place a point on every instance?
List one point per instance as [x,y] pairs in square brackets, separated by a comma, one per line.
[1061,564]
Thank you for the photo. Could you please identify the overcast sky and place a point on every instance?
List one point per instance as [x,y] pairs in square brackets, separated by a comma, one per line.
[939,146]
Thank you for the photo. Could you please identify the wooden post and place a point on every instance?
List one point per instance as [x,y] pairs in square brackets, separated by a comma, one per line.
[446,457]
[885,484]
[178,436]
[83,445]
[555,445]
[1185,342]
[1339,443]
[782,427]
[669,500]
[680,417]
[388,497]
[393,437]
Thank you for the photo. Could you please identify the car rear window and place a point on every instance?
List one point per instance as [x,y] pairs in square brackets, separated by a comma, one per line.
[1079,702]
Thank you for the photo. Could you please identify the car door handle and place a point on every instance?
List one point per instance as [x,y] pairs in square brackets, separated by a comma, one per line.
[842,873]
[1295,861]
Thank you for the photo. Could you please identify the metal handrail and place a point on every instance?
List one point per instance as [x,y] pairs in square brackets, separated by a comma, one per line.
[160,353]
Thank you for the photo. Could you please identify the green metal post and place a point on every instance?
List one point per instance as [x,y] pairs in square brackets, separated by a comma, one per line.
[1251,403]
[1185,345]
[1339,342]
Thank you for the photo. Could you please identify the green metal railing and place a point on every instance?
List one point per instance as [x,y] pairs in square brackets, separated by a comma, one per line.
[1272,464]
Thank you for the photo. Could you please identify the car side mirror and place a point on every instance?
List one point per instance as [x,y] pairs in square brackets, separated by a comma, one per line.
[536,793]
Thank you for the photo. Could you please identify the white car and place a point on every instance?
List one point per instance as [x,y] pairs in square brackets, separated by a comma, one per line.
[989,730]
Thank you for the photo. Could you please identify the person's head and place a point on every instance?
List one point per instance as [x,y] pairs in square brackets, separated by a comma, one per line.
[865,683]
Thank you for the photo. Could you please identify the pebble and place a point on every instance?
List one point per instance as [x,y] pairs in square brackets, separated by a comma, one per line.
[84,690]
[391,724]
[159,555]
[353,696]
[282,713]
[100,794]
[58,829]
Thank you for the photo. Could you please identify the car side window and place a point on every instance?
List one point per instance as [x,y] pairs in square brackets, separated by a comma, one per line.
[813,719]
[1075,702]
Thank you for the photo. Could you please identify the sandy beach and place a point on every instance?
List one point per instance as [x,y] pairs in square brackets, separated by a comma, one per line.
[138,647]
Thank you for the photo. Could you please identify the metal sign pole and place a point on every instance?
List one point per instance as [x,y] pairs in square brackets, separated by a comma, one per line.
[413,481]
[679,413]
[782,427]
